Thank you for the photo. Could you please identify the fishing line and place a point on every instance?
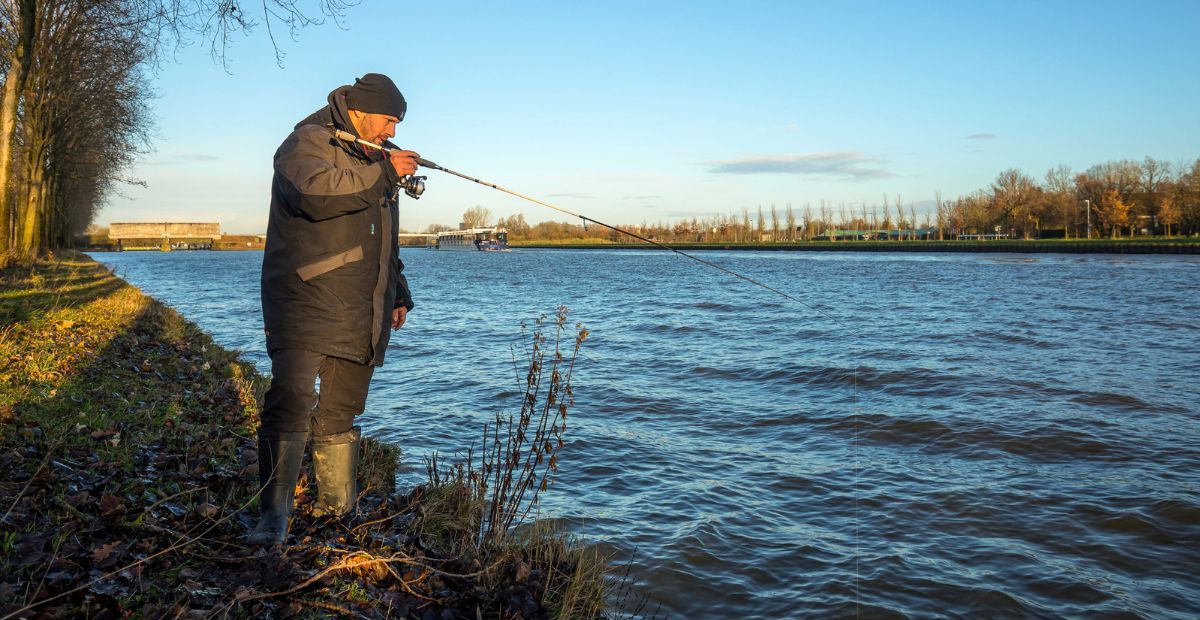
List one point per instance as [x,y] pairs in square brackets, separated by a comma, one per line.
[425,163]
[344,135]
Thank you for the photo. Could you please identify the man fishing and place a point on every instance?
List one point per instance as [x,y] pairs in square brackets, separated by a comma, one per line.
[332,285]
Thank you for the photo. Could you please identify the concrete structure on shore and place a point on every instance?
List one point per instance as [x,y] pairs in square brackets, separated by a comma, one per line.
[146,235]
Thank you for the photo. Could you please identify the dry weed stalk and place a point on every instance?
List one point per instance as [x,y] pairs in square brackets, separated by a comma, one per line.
[518,457]
[515,469]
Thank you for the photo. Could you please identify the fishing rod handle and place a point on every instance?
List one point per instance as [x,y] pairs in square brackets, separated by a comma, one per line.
[342,134]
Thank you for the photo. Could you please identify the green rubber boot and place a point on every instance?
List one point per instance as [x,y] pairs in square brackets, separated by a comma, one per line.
[335,464]
[279,462]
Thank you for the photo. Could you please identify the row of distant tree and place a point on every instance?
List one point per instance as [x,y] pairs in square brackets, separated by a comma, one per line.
[74,103]
[1151,197]
[1118,198]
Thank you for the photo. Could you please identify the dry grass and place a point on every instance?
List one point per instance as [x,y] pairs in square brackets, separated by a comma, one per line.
[575,574]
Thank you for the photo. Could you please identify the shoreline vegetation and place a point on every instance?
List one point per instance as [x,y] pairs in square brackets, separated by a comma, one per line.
[1142,245]
[1175,245]
[128,481]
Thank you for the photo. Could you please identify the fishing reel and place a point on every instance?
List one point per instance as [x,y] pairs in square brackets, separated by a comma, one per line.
[412,185]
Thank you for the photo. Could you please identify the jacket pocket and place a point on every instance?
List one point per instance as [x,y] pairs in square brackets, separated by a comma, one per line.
[325,265]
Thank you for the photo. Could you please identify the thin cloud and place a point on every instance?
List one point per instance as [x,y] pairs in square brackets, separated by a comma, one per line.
[584,196]
[646,197]
[181,158]
[847,164]
[982,136]
[690,213]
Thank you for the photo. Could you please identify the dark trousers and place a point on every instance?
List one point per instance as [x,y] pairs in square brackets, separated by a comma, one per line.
[293,404]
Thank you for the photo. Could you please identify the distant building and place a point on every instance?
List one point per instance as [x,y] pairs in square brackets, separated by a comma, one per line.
[158,230]
[164,235]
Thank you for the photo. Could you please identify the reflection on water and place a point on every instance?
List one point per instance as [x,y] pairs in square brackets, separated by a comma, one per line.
[1023,440]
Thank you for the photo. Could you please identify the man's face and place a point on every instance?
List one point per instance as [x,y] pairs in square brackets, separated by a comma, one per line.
[374,127]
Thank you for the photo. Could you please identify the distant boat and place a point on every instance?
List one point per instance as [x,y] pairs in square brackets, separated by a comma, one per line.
[480,239]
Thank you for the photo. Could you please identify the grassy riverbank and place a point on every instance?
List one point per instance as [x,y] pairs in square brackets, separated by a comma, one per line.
[1177,245]
[128,481]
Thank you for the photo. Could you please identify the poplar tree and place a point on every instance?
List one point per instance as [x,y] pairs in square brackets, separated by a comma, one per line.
[791,223]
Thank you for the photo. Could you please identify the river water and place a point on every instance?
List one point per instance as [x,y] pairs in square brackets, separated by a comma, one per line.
[1023,441]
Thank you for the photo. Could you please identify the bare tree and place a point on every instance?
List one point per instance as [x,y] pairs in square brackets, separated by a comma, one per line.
[886,224]
[1060,197]
[515,225]
[791,223]
[899,218]
[74,73]
[477,217]
[1168,213]
[942,211]
[1154,173]
[826,218]
[774,223]
[82,127]
[1014,199]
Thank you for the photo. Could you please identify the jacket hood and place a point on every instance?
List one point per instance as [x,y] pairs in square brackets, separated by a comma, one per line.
[334,114]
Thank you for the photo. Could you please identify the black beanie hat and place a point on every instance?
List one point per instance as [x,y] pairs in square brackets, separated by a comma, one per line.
[376,93]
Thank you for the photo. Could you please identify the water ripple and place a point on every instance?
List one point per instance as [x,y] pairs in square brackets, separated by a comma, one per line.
[1011,439]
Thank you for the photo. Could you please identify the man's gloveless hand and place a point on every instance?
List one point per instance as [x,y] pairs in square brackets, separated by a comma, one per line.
[405,162]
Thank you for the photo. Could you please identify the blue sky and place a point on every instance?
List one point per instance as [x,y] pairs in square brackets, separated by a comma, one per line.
[654,111]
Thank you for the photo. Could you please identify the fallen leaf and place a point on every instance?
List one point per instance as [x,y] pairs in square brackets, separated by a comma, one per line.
[111,506]
[81,498]
[101,553]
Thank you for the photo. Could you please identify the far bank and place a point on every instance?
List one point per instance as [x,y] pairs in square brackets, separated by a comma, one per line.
[1045,246]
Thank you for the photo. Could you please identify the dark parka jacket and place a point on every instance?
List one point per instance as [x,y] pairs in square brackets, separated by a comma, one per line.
[331,274]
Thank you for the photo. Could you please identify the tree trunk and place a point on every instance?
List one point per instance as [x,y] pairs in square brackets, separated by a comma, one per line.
[30,242]
[14,86]
[29,209]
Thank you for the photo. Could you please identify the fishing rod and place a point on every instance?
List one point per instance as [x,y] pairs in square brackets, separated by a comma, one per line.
[415,185]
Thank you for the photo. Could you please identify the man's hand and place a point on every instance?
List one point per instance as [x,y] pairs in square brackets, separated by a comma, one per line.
[405,162]
[398,317]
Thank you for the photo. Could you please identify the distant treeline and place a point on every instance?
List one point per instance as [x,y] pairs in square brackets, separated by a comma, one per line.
[1126,197]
